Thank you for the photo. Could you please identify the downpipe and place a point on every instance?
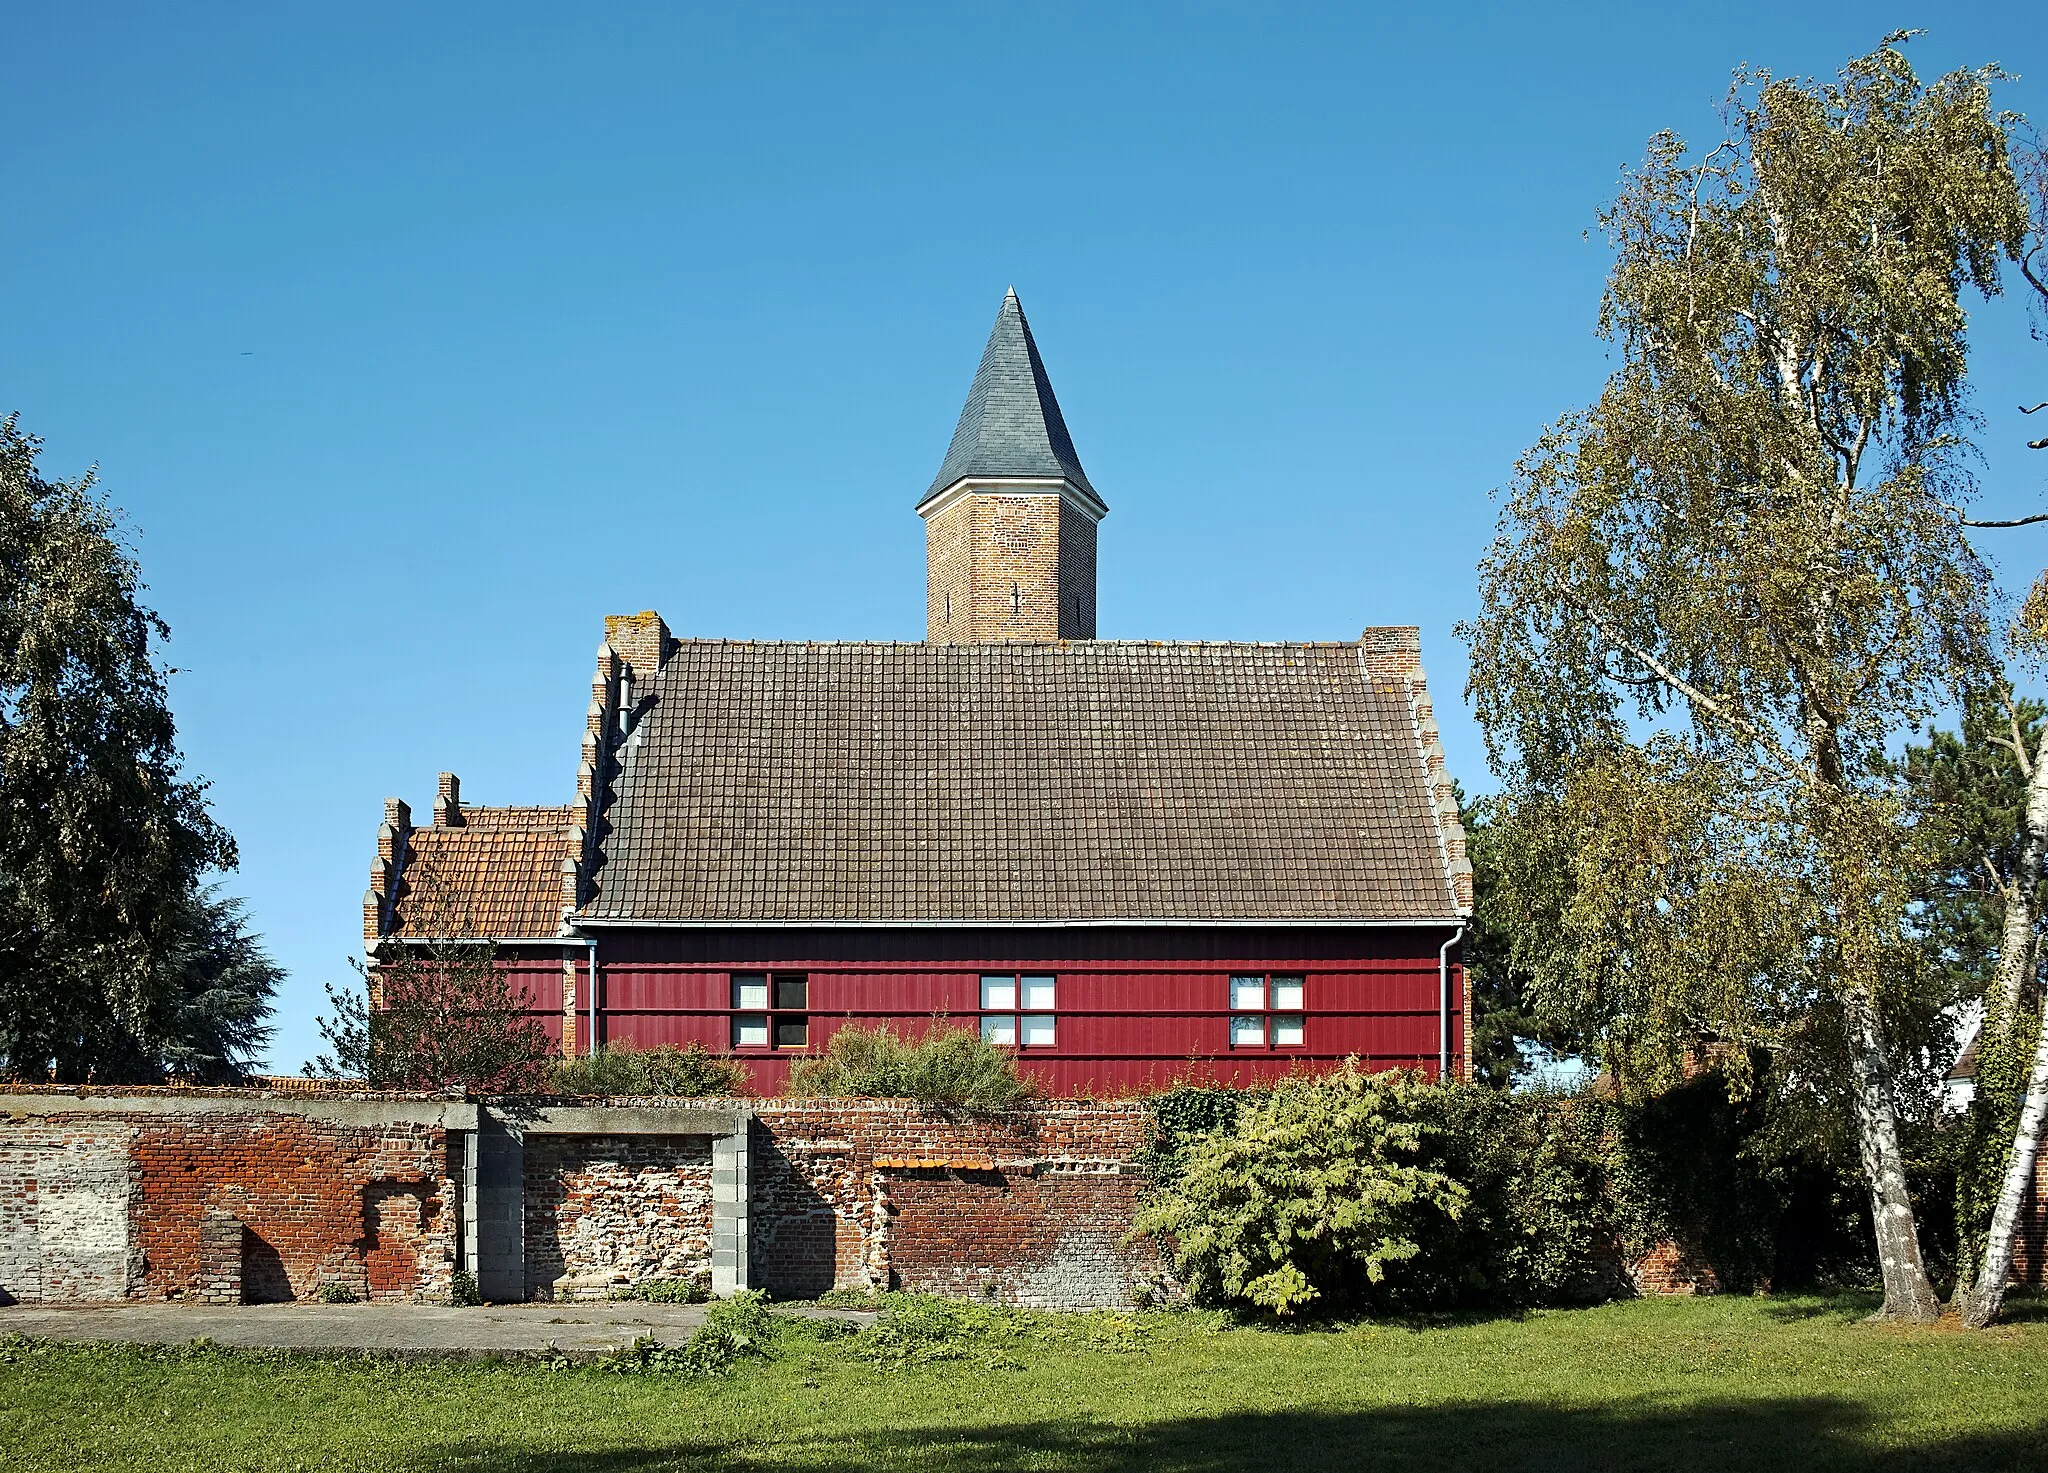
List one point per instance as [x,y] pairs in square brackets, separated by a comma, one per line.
[1443,1004]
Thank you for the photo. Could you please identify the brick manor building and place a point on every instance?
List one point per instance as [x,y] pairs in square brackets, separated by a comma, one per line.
[1134,861]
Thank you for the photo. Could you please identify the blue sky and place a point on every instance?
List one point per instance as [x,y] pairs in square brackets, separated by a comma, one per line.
[414,340]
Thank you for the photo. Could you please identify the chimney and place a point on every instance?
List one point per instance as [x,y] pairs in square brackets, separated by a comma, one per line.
[641,640]
[448,802]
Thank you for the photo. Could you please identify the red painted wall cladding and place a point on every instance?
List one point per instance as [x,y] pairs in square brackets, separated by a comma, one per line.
[1032,1208]
[1135,1010]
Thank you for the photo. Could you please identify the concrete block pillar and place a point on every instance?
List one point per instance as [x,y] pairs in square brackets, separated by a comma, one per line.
[497,1166]
[730,1194]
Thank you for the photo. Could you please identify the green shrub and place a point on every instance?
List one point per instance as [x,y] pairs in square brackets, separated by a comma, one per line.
[947,1066]
[689,1072]
[737,1329]
[665,1291]
[1314,1194]
[462,1290]
[337,1293]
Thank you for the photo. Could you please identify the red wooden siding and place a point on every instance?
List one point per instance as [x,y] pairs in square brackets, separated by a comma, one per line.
[1126,1020]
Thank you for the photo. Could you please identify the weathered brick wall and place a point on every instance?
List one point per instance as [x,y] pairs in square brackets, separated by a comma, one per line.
[1008,566]
[138,1203]
[606,1211]
[1032,1207]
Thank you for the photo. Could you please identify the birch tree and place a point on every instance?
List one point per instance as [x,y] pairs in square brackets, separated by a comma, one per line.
[2006,1010]
[1718,592]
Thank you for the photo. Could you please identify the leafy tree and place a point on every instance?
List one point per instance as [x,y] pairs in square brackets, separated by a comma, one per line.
[2010,1014]
[1717,594]
[1313,1196]
[1504,1021]
[434,1016]
[115,962]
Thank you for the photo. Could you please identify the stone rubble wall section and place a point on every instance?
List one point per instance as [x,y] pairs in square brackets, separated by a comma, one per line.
[605,1212]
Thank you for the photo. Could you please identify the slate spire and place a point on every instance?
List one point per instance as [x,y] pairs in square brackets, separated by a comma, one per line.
[1011,425]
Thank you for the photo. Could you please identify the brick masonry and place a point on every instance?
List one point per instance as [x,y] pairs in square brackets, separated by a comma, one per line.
[1009,566]
[1028,1208]
[222,1196]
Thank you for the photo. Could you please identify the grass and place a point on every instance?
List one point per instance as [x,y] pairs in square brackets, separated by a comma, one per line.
[1729,1384]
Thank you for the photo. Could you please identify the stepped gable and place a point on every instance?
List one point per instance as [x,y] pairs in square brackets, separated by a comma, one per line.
[473,873]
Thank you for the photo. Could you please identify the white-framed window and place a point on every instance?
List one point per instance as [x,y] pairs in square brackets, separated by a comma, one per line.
[771,1011]
[1267,1011]
[1017,1009]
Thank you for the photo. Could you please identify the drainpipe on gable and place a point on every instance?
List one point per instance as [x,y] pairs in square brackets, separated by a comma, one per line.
[1443,1004]
[592,943]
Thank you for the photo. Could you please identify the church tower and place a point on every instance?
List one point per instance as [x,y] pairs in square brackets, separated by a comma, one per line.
[1010,519]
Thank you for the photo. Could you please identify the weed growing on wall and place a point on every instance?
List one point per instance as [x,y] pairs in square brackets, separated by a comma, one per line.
[689,1072]
[947,1066]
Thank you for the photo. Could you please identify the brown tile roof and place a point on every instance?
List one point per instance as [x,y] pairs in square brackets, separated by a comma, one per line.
[1093,780]
[497,875]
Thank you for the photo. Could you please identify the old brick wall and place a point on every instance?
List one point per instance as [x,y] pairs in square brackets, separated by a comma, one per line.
[1032,1207]
[135,1203]
[1008,565]
[606,1211]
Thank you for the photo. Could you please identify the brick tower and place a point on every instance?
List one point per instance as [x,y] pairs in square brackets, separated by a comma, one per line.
[1010,519]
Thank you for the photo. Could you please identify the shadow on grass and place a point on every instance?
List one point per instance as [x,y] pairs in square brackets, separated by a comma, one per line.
[1806,1434]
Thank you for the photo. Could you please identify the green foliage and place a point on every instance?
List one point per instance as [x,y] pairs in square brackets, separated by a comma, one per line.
[116,962]
[689,1072]
[1559,1193]
[947,1066]
[666,1291]
[1498,956]
[1315,1194]
[462,1290]
[737,1329]
[334,1292]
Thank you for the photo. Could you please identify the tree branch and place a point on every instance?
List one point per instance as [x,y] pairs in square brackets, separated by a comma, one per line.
[1716,708]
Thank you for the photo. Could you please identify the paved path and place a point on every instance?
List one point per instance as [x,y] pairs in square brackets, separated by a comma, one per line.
[576,1329]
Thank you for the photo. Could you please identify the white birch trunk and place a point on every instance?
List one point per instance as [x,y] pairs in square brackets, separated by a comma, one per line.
[1988,1297]
[1907,1293]
[2015,959]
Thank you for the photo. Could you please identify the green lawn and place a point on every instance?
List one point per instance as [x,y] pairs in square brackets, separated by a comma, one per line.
[1708,1386]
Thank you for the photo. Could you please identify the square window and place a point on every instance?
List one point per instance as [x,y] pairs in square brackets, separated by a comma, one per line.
[793,992]
[1287,992]
[1247,992]
[1287,1030]
[792,1032]
[997,993]
[1037,993]
[750,1032]
[1248,1032]
[999,1029]
[749,991]
[1037,1031]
